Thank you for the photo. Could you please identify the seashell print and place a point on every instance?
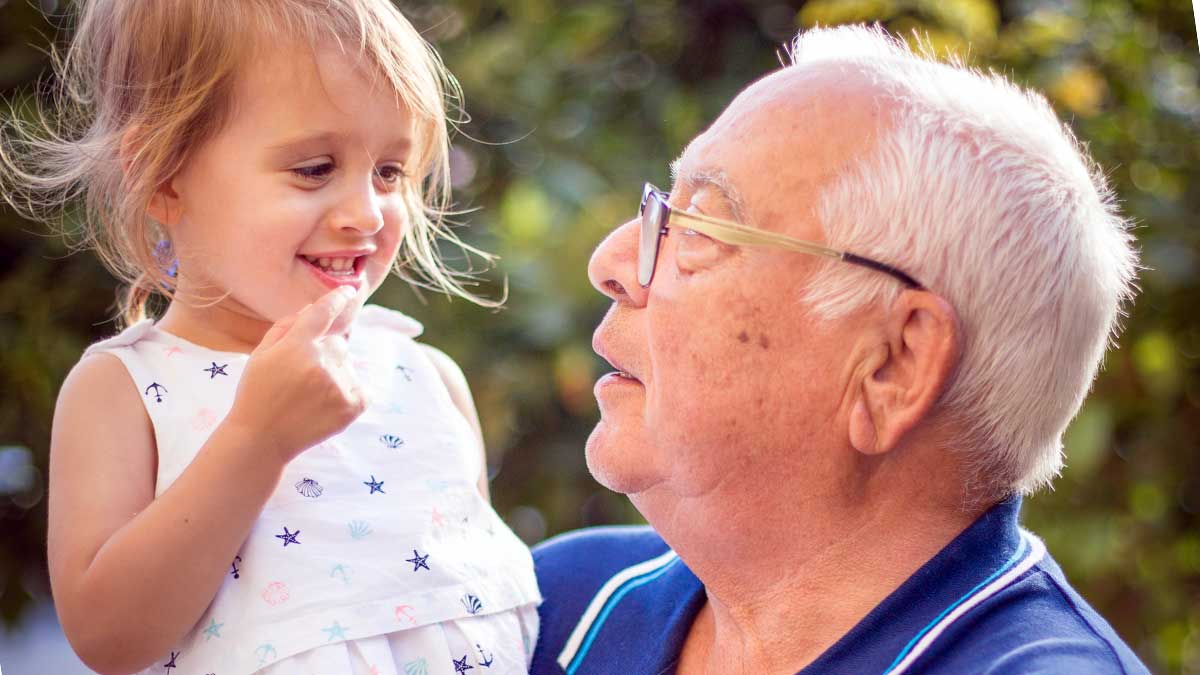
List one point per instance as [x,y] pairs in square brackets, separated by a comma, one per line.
[275,593]
[309,488]
[418,667]
[359,529]
[204,419]
[472,603]
[390,441]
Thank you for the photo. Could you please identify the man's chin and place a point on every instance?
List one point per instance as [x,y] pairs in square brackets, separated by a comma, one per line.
[618,464]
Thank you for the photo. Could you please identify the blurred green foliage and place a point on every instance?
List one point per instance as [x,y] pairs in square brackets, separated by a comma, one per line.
[573,106]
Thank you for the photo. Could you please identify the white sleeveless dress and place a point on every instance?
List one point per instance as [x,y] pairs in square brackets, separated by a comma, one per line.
[376,555]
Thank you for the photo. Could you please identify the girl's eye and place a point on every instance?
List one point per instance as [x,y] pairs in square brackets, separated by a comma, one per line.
[314,172]
[391,173]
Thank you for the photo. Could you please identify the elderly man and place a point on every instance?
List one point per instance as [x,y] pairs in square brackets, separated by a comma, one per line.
[846,342]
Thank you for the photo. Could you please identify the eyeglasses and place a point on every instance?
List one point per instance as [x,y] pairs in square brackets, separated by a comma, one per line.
[657,216]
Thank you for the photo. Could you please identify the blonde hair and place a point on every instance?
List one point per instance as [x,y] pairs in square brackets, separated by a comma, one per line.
[143,84]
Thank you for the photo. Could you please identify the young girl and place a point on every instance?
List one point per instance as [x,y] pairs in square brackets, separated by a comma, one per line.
[272,477]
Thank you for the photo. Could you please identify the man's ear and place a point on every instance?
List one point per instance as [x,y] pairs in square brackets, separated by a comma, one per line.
[164,201]
[907,374]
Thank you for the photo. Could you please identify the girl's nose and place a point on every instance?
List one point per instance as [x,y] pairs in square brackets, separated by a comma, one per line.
[359,208]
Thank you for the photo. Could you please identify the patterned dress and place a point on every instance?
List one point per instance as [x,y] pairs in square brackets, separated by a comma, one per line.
[376,555]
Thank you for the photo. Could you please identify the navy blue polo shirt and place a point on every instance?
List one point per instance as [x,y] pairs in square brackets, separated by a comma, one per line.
[618,600]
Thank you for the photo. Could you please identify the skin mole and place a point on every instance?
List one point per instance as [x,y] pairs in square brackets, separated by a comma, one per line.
[763,341]
[743,337]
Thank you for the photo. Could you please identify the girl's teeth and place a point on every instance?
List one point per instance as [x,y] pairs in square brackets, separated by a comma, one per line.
[335,265]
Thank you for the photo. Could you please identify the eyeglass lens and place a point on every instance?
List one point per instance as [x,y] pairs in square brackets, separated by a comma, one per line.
[653,211]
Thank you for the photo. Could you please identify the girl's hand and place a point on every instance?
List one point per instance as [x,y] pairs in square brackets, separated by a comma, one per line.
[297,390]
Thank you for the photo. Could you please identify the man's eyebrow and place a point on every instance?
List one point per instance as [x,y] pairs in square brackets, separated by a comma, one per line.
[714,178]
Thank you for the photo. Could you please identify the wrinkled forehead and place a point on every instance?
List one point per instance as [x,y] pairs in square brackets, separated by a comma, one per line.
[782,139]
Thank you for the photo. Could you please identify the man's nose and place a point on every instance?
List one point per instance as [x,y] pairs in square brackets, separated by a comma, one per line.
[358,209]
[613,267]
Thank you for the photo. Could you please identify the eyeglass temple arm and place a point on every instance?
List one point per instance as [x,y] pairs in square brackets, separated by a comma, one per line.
[740,235]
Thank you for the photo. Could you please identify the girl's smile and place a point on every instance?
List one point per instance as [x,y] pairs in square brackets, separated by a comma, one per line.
[338,268]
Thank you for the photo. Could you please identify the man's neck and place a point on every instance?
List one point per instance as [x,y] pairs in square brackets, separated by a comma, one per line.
[792,595]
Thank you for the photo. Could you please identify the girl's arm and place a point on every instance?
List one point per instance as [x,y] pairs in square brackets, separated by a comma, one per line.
[460,393]
[132,573]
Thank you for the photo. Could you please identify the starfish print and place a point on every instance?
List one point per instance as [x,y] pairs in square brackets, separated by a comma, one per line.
[171,664]
[213,630]
[461,666]
[418,560]
[376,486]
[335,632]
[216,370]
[288,537]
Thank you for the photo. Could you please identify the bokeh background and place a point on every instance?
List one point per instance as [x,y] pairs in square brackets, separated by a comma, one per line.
[573,106]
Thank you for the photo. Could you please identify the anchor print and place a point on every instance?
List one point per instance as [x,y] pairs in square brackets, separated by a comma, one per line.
[171,664]
[462,666]
[340,570]
[158,390]
[405,613]
[237,574]
[486,659]
[216,370]
[266,652]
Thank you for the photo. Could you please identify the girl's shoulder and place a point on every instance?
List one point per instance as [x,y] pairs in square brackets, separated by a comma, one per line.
[382,318]
[126,338]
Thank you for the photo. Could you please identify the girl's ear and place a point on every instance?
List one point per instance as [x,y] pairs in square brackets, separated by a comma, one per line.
[164,202]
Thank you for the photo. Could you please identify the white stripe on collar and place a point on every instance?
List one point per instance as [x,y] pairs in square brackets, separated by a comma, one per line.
[601,598]
[1037,551]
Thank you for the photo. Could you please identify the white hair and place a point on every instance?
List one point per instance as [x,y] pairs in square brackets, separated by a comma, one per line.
[977,190]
